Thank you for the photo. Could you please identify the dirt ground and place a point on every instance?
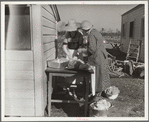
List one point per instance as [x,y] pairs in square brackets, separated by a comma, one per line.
[130,102]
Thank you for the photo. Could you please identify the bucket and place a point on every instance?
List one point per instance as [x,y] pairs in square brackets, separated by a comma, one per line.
[112,92]
[99,109]
[97,113]
[112,97]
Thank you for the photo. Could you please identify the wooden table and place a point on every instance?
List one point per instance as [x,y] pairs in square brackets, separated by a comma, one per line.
[67,73]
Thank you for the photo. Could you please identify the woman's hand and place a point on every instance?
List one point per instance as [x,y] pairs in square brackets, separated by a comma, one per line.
[81,50]
[75,58]
[70,57]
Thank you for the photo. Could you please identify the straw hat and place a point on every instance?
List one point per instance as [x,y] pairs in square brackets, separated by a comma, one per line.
[71,26]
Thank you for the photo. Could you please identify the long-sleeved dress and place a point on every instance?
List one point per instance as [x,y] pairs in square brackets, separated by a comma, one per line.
[97,57]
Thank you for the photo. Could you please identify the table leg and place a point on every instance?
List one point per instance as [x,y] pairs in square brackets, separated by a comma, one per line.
[49,93]
[86,96]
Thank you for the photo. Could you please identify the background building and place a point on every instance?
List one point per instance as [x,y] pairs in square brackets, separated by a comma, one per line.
[133,28]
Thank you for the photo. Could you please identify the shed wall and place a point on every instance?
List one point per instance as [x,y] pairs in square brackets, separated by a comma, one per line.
[136,15]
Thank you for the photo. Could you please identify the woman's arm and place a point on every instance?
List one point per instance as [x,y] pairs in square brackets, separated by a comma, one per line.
[92,44]
[65,48]
[100,39]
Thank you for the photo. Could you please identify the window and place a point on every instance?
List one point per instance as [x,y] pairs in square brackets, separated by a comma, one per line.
[142,28]
[17,27]
[131,30]
[124,30]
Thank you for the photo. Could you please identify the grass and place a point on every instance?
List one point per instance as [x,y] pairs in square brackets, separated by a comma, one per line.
[130,102]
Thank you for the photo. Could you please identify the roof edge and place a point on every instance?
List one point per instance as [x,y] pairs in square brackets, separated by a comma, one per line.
[140,5]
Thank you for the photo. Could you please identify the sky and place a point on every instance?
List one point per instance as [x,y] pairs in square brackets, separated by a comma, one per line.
[101,16]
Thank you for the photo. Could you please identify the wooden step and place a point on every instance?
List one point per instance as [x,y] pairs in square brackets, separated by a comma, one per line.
[133,49]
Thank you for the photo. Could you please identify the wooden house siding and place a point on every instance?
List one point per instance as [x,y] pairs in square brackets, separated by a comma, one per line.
[134,15]
[44,34]
[142,51]
[49,32]
[19,111]
[19,83]
[25,78]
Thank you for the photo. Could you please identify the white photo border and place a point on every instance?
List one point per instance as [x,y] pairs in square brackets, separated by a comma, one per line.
[72,118]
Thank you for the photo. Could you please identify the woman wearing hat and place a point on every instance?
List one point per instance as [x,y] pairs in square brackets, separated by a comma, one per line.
[73,39]
[72,42]
[97,57]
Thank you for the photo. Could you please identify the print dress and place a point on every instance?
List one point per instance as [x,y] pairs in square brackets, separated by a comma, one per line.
[97,57]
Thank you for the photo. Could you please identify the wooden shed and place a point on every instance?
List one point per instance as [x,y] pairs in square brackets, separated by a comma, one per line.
[132,28]
[30,33]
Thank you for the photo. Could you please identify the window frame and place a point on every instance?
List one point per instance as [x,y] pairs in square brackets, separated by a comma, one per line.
[131,29]
[124,27]
[142,30]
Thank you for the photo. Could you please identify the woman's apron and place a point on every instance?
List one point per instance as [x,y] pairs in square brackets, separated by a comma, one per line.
[74,53]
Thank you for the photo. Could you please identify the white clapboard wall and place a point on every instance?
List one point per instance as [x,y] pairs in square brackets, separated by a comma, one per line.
[25,78]
[19,83]
[48,37]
